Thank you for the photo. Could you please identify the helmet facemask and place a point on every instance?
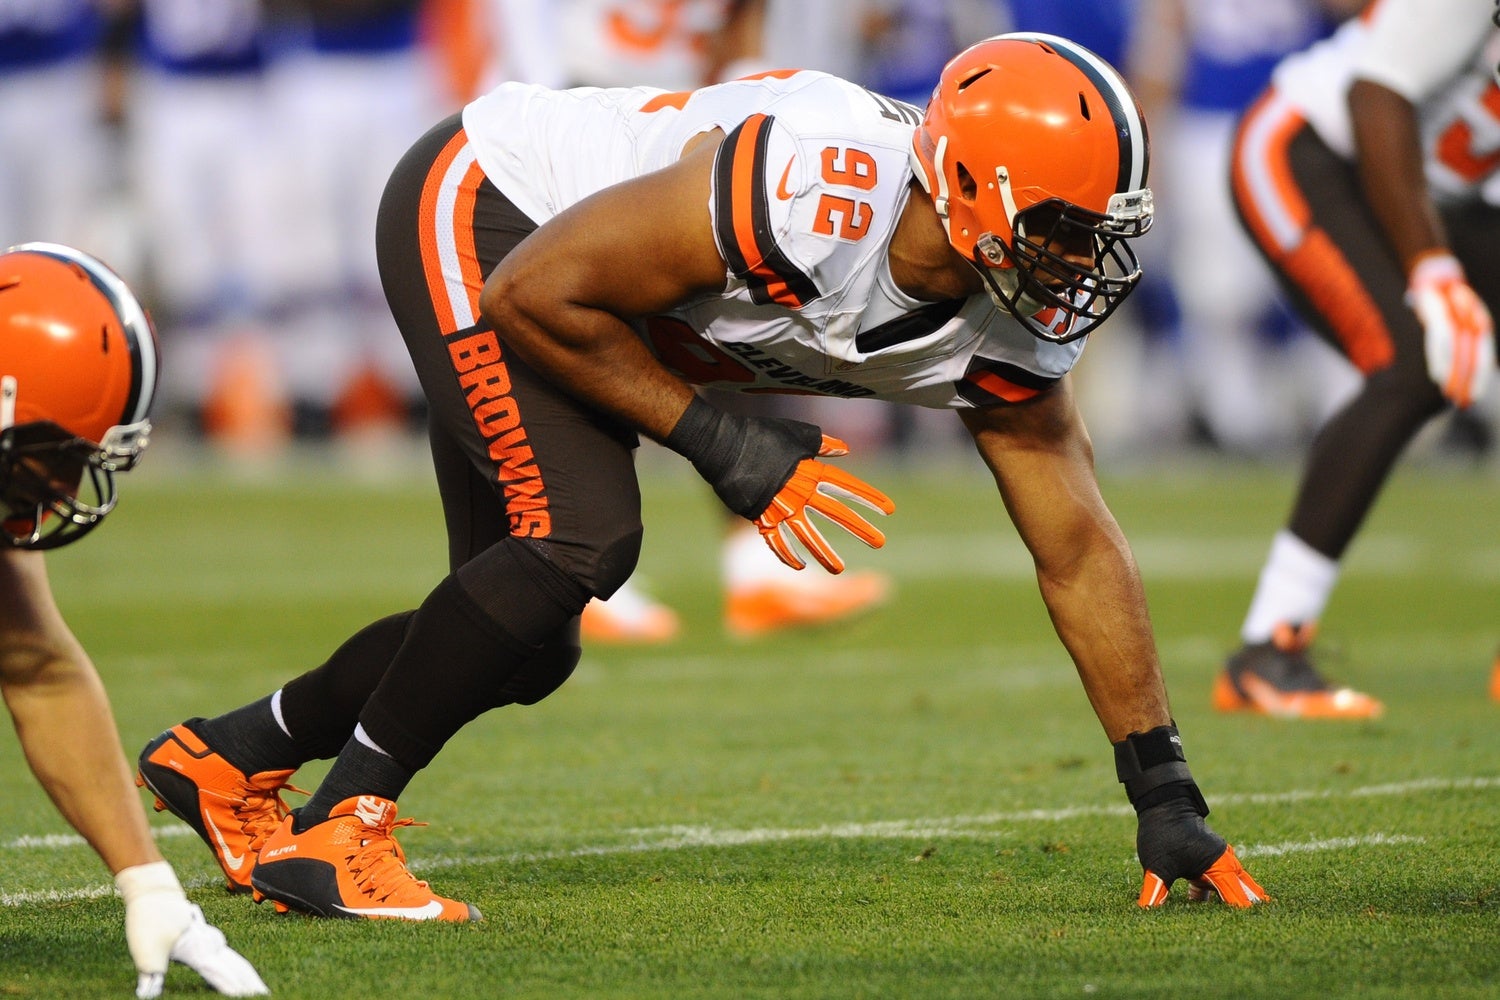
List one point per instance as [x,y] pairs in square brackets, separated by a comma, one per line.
[1066,268]
[55,487]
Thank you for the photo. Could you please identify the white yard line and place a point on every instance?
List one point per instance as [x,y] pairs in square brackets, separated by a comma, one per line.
[676,838]
[1330,844]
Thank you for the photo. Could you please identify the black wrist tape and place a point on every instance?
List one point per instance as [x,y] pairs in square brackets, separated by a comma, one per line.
[1153,769]
[705,436]
[747,460]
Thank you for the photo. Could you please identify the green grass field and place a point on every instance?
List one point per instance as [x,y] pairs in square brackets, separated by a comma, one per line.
[917,805]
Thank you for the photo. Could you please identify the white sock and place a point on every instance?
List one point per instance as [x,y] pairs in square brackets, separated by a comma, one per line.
[1294,588]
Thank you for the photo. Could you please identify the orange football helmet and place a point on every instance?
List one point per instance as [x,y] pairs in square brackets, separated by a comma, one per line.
[1034,152]
[78,371]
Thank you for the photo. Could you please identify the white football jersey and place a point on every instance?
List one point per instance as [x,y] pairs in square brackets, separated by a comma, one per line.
[808,185]
[1439,54]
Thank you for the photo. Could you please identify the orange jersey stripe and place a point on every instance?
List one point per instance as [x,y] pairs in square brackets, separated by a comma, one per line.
[1272,159]
[771,74]
[743,192]
[463,235]
[1320,269]
[676,100]
[742,219]
[1000,388]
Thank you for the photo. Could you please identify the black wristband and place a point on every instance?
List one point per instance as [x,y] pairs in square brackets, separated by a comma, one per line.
[747,460]
[1153,769]
[705,436]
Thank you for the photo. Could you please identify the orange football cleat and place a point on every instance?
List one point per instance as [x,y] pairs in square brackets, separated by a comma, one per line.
[756,608]
[1277,678]
[232,811]
[1495,679]
[349,866]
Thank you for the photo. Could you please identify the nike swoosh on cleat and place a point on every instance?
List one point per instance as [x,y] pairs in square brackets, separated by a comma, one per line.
[234,861]
[432,909]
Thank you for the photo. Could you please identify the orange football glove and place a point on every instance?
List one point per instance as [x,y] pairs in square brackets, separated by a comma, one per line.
[1171,838]
[815,485]
[1225,878]
[1458,332]
[1174,842]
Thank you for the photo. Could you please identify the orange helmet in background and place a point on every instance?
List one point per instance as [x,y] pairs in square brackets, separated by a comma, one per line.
[78,371]
[1035,154]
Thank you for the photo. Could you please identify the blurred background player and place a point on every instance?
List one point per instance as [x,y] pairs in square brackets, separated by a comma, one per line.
[1368,175]
[682,45]
[78,369]
[908,42]
[1251,381]
[349,88]
[206,171]
[57,156]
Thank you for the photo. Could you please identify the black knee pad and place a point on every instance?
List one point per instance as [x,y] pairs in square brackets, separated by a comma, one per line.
[616,563]
[563,575]
[545,672]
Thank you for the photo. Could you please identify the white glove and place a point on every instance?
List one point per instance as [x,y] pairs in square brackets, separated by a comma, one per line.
[1459,335]
[161,926]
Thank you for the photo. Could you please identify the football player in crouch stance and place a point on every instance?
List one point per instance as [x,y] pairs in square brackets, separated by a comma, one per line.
[78,369]
[1367,176]
[563,264]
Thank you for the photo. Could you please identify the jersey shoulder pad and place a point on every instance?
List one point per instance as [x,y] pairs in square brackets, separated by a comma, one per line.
[752,215]
[802,197]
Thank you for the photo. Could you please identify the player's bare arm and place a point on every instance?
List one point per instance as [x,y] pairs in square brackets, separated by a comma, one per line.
[563,297]
[53,691]
[75,395]
[1389,161]
[1458,331]
[1043,463]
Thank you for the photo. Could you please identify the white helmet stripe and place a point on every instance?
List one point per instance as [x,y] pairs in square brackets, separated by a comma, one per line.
[1129,127]
[142,343]
[7,401]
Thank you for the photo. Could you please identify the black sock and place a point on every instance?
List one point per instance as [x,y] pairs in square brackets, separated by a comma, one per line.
[321,707]
[358,770]
[250,738]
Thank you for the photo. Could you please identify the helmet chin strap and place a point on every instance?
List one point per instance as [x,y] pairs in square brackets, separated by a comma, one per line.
[1002,284]
[940,178]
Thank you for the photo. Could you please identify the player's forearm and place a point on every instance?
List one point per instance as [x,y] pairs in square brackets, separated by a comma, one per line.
[1099,611]
[68,735]
[1389,162]
[1043,465]
[592,355]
